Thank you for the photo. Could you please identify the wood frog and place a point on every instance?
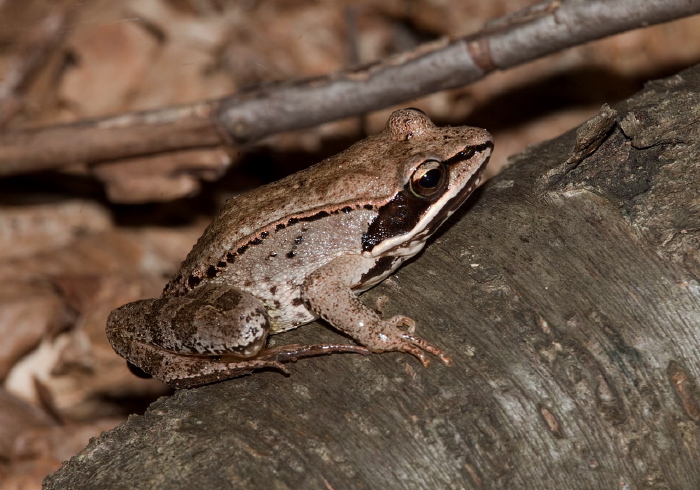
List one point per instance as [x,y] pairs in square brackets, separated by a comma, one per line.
[301,248]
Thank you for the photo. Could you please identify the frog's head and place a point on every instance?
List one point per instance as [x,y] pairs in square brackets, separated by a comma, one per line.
[439,168]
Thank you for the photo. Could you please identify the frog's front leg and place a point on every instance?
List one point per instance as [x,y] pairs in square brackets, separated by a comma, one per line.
[328,293]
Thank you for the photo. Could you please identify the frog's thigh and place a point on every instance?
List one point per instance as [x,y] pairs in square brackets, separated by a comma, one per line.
[213,319]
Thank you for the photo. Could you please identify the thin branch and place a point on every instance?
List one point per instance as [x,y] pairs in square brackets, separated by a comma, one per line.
[248,116]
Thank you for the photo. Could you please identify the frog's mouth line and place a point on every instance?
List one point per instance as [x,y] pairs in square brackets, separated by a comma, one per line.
[407,213]
[454,203]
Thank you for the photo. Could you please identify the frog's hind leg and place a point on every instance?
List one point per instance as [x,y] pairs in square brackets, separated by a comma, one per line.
[213,333]
[189,371]
[180,371]
[177,337]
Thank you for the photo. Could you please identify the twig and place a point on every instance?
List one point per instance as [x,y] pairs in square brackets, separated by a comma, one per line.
[248,116]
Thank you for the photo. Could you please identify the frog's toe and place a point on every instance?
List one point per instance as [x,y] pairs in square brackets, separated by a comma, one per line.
[421,346]
[416,352]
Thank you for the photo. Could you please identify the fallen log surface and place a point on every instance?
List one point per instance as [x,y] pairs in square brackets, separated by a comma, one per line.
[567,292]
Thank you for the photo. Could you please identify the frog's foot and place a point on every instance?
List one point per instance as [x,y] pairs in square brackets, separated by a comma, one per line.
[393,338]
[409,324]
[292,352]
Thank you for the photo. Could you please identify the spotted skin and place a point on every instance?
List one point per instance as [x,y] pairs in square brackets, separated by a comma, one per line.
[302,248]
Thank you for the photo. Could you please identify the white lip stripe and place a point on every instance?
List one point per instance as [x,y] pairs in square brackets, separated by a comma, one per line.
[421,231]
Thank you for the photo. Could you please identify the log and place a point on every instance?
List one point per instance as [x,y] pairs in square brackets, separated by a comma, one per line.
[567,292]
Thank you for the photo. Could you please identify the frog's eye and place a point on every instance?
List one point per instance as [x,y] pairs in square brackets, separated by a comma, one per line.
[429,179]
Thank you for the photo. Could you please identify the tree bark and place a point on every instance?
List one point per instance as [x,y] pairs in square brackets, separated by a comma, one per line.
[567,292]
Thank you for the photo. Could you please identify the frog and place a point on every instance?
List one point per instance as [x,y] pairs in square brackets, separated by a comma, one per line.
[302,248]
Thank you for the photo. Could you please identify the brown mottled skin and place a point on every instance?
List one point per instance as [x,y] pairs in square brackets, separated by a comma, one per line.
[300,248]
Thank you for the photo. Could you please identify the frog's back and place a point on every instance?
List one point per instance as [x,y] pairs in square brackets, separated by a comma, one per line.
[365,176]
[337,184]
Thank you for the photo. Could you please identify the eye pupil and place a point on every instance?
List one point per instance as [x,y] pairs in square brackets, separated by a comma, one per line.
[430,179]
